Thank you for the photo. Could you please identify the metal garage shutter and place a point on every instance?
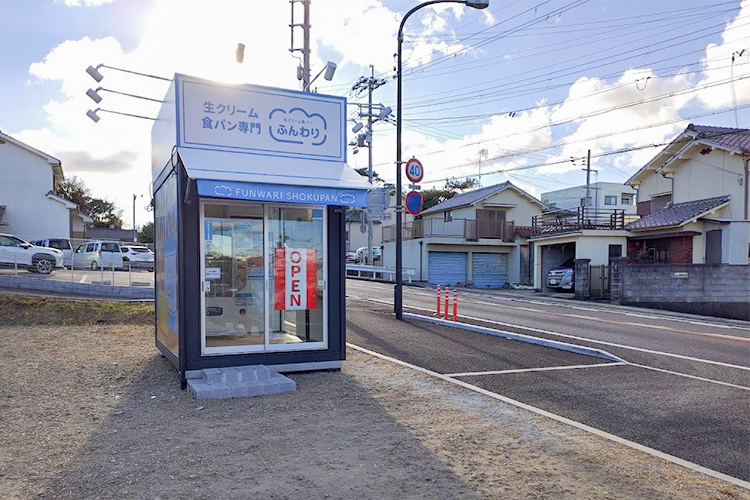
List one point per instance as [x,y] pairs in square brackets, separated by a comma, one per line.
[489,270]
[447,268]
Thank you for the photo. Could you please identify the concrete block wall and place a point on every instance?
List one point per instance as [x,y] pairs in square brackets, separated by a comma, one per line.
[73,289]
[714,289]
[582,275]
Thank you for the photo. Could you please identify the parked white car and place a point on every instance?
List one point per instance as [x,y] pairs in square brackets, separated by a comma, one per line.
[139,256]
[96,254]
[61,244]
[17,252]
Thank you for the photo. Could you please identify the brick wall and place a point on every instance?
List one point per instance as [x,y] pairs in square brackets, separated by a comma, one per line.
[713,289]
[680,249]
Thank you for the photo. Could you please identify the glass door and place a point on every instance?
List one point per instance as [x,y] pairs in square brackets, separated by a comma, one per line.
[264,277]
[233,278]
[297,272]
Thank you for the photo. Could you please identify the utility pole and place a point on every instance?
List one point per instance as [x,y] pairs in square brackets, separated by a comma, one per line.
[370,84]
[482,154]
[303,71]
[588,179]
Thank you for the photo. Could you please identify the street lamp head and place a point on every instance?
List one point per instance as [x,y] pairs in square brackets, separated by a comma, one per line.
[357,127]
[94,73]
[240,54]
[94,95]
[384,113]
[330,70]
[478,4]
[92,114]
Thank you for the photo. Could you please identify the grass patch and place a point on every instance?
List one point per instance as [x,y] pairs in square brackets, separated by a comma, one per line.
[22,310]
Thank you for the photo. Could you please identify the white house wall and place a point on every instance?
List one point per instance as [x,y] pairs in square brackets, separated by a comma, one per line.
[571,197]
[651,185]
[706,176]
[27,178]
[588,246]
[521,213]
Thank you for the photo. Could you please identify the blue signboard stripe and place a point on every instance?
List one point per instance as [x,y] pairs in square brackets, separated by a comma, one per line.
[281,193]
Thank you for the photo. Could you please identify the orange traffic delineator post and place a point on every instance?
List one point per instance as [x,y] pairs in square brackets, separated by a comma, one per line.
[437,311]
[455,304]
[447,303]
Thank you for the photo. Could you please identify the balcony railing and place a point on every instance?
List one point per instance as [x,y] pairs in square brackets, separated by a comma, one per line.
[466,229]
[575,219]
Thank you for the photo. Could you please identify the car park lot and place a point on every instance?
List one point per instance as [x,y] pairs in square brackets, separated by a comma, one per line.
[136,277]
[683,389]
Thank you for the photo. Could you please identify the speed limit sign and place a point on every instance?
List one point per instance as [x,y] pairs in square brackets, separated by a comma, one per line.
[414,170]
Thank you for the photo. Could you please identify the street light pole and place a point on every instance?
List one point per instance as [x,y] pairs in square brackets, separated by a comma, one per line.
[398,291]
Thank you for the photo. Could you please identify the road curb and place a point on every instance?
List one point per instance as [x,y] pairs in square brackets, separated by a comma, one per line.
[563,346]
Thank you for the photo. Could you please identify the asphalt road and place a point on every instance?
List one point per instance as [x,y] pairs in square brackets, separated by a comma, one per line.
[685,389]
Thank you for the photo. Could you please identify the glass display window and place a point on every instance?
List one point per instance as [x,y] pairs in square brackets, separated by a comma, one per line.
[264,277]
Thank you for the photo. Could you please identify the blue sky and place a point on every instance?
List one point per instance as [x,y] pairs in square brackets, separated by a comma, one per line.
[531,82]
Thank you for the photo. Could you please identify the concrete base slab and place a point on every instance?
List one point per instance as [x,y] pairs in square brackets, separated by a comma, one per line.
[238,382]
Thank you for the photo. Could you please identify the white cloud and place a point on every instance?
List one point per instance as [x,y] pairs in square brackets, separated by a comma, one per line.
[86,3]
[199,38]
[719,66]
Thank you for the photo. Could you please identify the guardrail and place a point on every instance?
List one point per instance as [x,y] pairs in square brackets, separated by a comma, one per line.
[133,280]
[562,221]
[374,271]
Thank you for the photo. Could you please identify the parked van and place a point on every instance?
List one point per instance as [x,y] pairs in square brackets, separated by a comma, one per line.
[96,254]
[59,244]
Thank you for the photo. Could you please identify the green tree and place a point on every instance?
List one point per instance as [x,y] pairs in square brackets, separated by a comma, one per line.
[105,213]
[452,187]
[73,189]
[146,234]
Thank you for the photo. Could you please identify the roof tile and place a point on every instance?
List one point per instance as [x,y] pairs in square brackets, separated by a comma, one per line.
[677,214]
[467,198]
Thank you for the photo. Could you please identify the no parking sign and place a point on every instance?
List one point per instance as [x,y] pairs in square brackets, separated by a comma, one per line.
[414,202]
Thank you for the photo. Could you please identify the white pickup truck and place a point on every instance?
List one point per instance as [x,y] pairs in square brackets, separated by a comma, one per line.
[15,252]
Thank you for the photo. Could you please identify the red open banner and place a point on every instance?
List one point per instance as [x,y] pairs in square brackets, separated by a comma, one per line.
[296,283]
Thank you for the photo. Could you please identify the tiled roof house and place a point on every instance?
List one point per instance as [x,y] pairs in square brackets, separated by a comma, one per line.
[693,200]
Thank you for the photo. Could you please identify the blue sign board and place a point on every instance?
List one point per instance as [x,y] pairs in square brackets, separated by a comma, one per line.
[309,195]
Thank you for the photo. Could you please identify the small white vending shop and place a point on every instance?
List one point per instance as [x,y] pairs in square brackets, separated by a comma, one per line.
[250,186]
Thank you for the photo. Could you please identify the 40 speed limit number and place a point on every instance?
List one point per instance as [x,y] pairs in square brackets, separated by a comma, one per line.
[414,170]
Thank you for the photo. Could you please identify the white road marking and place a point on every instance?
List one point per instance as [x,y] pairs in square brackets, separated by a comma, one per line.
[526,370]
[584,339]
[83,280]
[559,418]
[692,376]
[629,323]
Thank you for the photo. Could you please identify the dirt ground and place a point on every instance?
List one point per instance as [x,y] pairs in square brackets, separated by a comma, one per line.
[94,412]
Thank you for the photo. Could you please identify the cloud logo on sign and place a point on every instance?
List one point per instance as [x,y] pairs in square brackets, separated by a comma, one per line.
[347,198]
[222,191]
[297,127]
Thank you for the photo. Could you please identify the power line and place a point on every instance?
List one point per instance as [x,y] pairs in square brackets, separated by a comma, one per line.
[599,155]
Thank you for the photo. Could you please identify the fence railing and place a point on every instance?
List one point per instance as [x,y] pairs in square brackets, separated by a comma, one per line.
[467,229]
[561,221]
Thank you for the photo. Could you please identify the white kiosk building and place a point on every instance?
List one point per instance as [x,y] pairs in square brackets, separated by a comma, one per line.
[250,189]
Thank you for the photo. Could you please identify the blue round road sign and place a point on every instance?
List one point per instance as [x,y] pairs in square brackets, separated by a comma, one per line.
[414,202]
